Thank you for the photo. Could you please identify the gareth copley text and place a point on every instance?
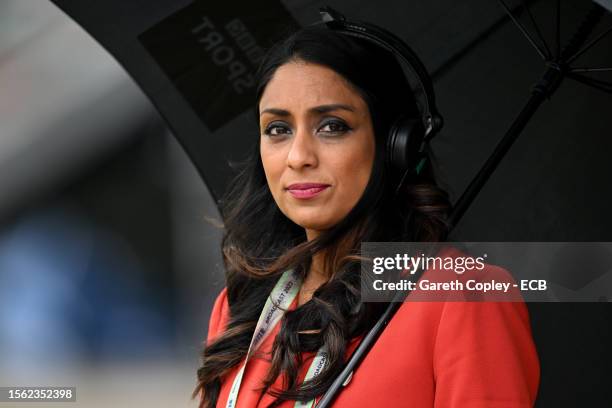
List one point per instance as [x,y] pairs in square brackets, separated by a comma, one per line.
[456,285]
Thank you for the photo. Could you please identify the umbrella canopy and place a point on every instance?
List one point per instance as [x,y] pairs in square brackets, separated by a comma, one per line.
[195,59]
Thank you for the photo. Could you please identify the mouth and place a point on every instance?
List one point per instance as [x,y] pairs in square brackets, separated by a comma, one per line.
[306,190]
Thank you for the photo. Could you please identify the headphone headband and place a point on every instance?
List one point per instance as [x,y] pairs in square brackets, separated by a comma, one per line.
[334,20]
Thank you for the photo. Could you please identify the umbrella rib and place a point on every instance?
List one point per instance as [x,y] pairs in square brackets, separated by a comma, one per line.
[558,35]
[594,80]
[589,45]
[590,69]
[523,30]
[595,83]
[537,29]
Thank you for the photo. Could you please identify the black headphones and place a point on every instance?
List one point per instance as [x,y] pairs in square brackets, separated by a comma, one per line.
[407,142]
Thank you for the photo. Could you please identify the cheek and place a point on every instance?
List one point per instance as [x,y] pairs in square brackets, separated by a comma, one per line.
[361,164]
[354,169]
[273,164]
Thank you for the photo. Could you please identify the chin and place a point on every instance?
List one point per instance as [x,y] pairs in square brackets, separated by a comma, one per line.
[312,224]
[312,218]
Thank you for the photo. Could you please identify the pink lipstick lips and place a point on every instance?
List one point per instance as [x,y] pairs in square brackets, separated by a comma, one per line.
[306,190]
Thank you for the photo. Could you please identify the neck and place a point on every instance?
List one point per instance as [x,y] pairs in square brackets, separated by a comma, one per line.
[315,276]
[316,270]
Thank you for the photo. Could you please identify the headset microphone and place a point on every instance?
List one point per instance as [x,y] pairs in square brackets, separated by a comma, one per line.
[407,142]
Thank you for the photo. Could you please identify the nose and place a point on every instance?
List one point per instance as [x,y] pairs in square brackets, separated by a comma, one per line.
[302,152]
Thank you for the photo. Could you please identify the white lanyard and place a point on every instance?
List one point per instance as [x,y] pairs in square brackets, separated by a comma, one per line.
[283,294]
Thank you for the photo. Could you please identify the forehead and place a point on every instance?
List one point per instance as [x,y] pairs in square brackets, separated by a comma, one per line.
[300,85]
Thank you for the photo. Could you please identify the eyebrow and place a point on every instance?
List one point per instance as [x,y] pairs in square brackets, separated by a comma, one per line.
[316,109]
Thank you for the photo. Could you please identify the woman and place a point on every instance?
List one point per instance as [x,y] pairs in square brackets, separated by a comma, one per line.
[314,188]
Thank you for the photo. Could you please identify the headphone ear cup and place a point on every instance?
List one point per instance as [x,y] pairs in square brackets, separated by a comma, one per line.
[403,143]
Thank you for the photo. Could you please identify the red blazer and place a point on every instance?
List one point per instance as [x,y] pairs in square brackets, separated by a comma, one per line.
[432,354]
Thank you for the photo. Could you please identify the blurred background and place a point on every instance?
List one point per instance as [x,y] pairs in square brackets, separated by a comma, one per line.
[108,265]
[109,236]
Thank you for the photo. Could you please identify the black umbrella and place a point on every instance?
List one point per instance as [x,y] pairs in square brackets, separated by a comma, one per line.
[194,60]
[558,66]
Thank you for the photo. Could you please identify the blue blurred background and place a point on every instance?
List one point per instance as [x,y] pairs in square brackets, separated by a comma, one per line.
[109,258]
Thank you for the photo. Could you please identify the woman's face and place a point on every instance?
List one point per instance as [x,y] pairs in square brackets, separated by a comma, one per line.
[317,144]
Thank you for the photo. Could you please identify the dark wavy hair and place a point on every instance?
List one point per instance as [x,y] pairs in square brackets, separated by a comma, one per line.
[260,242]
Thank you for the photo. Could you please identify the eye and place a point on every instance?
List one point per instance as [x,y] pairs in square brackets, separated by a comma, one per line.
[334,127]
[277,129]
